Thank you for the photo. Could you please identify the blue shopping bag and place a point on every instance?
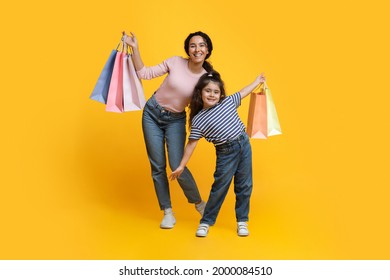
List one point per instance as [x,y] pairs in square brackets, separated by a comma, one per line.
[100,91]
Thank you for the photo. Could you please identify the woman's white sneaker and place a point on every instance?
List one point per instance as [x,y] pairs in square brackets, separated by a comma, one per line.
[169,220]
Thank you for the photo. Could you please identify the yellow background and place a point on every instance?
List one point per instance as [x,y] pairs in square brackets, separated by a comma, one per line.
[75,180]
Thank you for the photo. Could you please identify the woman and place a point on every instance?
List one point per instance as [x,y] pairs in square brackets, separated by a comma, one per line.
[164,116]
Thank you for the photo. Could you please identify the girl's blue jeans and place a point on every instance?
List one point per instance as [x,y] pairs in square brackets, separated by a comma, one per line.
[234,159]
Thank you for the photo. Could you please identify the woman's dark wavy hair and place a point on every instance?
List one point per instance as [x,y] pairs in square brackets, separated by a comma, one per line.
[196,103]
[206,65]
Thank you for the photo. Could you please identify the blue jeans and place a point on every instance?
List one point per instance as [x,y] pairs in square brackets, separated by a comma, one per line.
[166,130]
[234,159]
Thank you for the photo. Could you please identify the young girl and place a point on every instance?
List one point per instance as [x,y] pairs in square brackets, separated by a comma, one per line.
[214,117]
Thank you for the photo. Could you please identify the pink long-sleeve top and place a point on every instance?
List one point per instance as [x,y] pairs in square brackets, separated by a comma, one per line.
[175,92]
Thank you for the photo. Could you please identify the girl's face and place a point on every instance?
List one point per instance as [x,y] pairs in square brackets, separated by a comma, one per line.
[197,49]
[211,94]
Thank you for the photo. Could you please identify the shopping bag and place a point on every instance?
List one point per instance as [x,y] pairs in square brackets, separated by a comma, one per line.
[133,93]
[273,125]
[115,92]
[257,115]
[263,120]
[102,85]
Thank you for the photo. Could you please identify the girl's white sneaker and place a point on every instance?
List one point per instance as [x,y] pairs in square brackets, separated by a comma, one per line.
[242,229]
[202,231]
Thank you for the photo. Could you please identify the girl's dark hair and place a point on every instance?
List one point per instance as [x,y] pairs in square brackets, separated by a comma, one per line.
[206,65]
[196,103]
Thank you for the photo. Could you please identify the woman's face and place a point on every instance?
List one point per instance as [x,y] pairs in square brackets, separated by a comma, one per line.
[211,94]
[197,49]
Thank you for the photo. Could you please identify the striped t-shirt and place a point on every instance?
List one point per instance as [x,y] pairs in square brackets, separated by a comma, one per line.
[219,123]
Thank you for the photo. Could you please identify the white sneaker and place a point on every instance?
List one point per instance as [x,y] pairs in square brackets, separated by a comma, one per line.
[169,220]
[202,231]
[242,229]
[200,207]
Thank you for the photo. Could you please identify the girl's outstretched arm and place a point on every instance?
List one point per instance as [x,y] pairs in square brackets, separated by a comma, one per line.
[189,149]
[249,88]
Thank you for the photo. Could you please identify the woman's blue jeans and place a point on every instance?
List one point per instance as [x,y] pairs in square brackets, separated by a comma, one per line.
[234,159]
[166,131]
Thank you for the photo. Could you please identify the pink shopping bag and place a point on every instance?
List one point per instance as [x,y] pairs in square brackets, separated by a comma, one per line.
[115,92]
[133,93]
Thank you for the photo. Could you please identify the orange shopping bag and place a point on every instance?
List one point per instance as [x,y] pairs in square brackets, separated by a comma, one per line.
[257,115]
[263,120]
